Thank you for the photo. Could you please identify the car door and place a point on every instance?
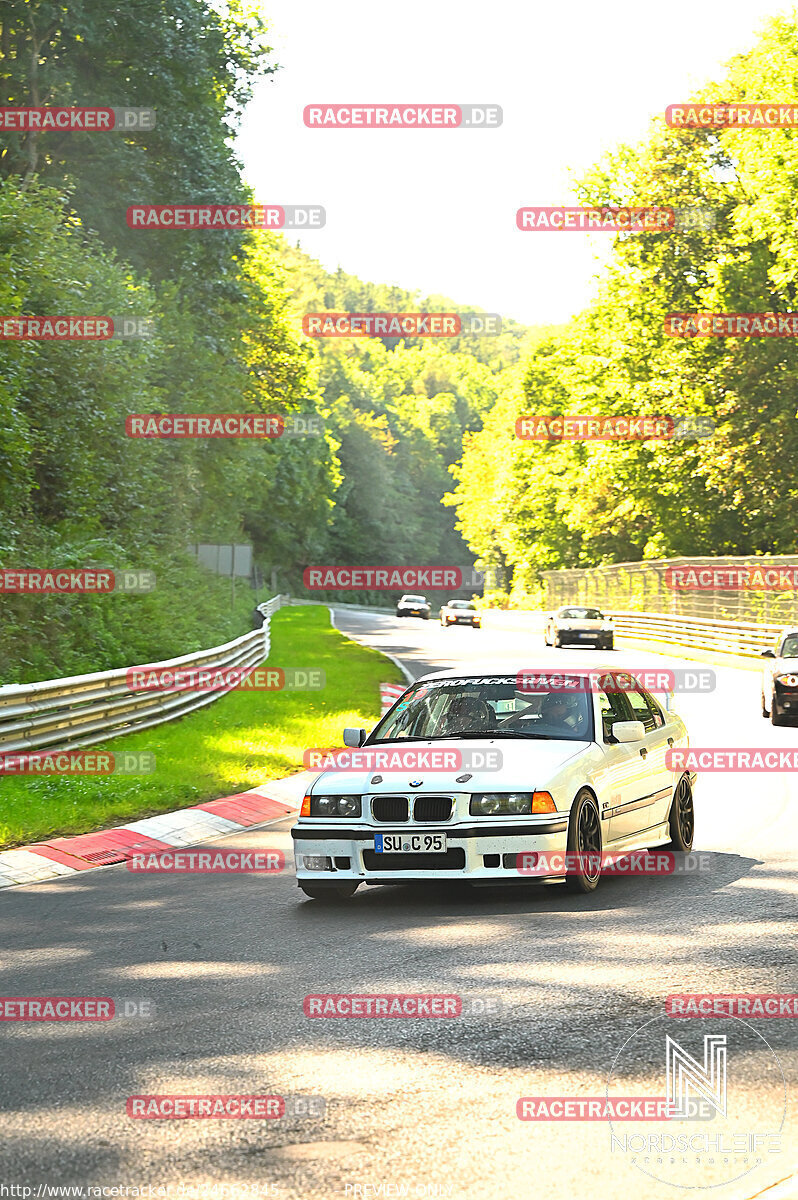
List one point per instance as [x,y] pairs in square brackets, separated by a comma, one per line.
[654,781]
[620,780]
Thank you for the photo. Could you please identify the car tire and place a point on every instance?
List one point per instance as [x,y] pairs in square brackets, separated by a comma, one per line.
[610,645]
[765,711]
[584,838]
[681,822]
[331,893]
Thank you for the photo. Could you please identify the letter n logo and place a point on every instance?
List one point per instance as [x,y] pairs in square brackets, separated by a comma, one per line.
[685,1074]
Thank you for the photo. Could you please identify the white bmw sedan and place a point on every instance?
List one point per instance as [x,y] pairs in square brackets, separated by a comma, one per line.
[473,775]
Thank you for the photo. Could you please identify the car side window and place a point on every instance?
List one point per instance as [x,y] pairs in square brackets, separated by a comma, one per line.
[656,710]
[612,707]
[641,710]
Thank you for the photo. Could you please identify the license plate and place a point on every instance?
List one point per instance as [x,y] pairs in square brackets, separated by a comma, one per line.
[588,635]
[410,843]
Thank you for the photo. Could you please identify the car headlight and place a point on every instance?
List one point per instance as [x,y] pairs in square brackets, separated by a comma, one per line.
[487,805]
[503,804]
[334,806]
[519,802]
[607,625]
[789,680]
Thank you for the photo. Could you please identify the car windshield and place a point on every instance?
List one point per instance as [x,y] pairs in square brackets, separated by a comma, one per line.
[790,647]
[460,604]
[580,614]
[413,600]
[484,707]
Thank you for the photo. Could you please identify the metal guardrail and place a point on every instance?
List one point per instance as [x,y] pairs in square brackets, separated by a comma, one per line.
[645,587]
[59,714]
[727,637]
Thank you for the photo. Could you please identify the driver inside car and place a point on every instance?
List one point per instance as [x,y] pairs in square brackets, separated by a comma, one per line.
[467,714]
[561,711]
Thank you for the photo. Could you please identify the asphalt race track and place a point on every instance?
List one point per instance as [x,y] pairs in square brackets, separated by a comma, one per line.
[554,985]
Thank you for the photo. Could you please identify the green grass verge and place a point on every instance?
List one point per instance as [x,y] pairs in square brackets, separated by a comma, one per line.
[234,744]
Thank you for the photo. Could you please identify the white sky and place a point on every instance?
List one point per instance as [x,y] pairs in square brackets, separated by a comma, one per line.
[434,210]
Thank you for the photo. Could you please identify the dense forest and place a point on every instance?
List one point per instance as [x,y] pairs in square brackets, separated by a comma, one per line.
[416,460]
[526,506]
[226,317]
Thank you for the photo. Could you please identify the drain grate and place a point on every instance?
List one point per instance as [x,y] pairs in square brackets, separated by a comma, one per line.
[104,858]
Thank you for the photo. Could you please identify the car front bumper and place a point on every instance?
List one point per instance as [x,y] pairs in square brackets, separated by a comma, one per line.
[476,851]
[584,637]
[786,697]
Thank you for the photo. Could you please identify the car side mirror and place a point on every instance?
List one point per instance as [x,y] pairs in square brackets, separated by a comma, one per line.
[354,737]
[629,731]
[767,654]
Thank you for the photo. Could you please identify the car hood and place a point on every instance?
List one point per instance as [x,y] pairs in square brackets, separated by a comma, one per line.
[526,764]
[789,665]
